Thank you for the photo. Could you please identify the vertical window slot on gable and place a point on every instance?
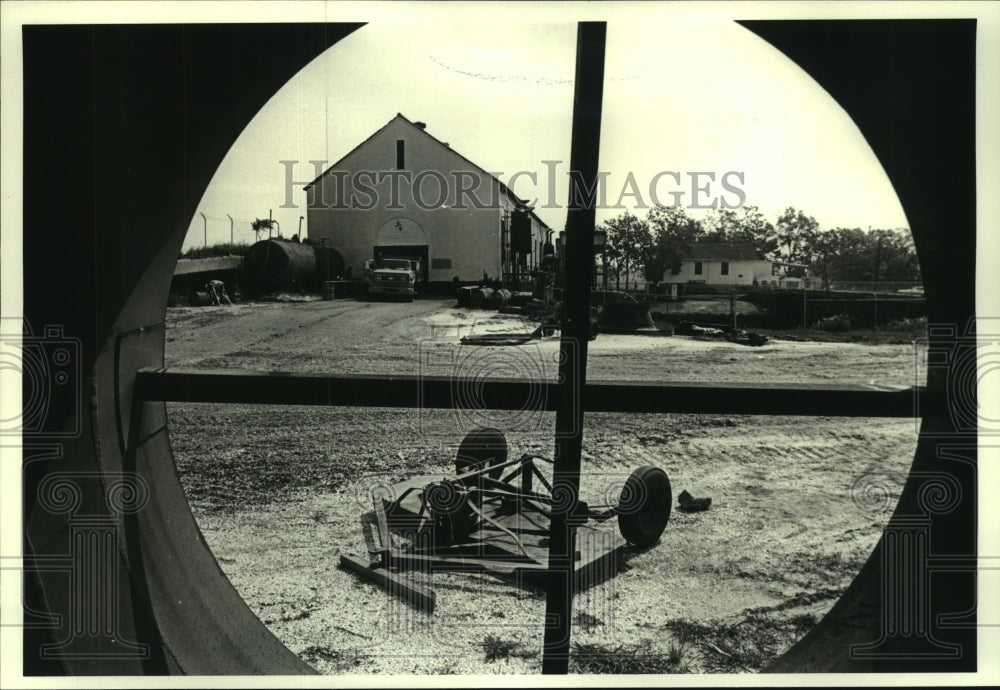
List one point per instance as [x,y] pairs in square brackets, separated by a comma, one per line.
[400,155]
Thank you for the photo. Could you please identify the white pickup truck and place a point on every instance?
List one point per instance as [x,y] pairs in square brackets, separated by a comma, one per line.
[395,277]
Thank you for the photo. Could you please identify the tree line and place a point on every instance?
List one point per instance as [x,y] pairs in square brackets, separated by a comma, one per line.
[653,245]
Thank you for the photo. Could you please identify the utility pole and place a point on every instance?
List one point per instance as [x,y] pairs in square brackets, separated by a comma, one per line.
[585,145]
[878,257]
[805,320]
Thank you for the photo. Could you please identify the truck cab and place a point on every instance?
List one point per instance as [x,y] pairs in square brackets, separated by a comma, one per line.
[396,277]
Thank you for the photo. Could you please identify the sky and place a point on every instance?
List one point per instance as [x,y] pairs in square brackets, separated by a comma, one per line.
[687,104]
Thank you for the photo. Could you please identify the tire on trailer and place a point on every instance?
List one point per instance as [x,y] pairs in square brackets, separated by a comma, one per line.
[644,506]
[482,447]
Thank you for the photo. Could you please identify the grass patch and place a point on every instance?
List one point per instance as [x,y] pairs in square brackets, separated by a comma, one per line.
[800,599]
[215,250]
[635,658]
[747,645]
[587,621]
[838,323]
[803,623]
[915,324]
[832,569]
[496,648]
[868,336]
[341,661]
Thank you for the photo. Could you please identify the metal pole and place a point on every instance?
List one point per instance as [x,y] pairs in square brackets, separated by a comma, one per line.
[232,237]
[205,221]
[878,256]
[326,255]
[805,323]
[587,102]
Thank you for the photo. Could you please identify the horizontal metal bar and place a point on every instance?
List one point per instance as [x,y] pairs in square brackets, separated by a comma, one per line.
[442,392]
[461,562]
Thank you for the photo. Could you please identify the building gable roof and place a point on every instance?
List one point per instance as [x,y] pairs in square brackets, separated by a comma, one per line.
[517,201]
[723,251]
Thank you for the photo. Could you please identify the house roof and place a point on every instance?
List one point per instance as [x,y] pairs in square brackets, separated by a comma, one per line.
[517,201]
[724,251]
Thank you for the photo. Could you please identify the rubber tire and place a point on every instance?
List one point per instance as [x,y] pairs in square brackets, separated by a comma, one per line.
[643,523]
[481,446]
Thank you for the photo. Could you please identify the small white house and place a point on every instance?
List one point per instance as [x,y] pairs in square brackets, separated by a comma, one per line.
[403,192]
[723,264]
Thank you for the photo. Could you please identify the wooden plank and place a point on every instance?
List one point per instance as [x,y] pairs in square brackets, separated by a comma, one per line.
[416,595]
[600,557]
[383,528]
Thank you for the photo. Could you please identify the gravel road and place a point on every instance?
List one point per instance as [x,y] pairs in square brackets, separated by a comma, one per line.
[278,490]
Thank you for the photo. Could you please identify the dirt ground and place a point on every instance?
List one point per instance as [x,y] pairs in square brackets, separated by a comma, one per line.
[278,490]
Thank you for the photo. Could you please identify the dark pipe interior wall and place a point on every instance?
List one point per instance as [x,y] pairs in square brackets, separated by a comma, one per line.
[910,88]
[123,128]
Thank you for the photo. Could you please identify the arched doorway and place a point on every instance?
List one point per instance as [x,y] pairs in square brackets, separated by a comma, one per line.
[404,238]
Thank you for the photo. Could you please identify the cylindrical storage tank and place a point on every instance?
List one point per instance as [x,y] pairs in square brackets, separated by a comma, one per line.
[329,263]
[481,296]
[499,298]
[274,265]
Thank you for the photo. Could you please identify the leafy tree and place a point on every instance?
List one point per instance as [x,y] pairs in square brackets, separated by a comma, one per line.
[754,227]
[795,231]
[674,233]
[628,243]
[846,249]
[853,254]
[261,224]
[747,224]
[721,225]
[895,255]
[612,261]
[822,248]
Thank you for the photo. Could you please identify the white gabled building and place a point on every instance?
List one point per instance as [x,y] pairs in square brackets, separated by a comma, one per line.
[402,192]
[733,264]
